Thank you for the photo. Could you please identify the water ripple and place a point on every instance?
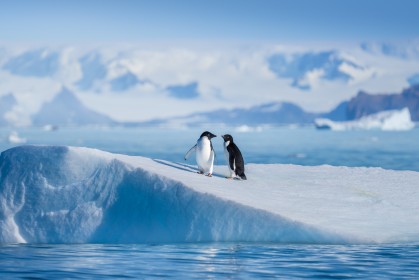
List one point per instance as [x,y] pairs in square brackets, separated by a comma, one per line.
[221,260]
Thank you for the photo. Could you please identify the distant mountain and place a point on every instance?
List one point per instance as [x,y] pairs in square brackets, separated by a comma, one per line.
[124,82]
[34,63]
[66,109]
[366,104]
[161,74]
[7,102]
[188,91]
[276,113]
[93,69]
[280,113]
[413,80]
[337,114]
[305,68]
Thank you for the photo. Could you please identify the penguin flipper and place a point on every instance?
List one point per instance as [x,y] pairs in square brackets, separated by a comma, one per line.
[212,149]
[191,150]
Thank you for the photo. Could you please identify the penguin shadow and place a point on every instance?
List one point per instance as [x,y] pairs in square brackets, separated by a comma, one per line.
[180,166]
[184,167]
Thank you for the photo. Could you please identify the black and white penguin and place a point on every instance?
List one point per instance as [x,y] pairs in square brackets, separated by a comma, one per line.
[234,158]
[204,153]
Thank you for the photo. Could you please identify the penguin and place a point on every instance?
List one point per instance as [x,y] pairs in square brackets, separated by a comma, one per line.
[234,158]
[205,153]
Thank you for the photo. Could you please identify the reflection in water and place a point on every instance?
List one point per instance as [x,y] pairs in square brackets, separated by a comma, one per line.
[198,261]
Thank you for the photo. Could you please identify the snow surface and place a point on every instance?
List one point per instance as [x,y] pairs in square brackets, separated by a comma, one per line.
[58,194]
[391,120]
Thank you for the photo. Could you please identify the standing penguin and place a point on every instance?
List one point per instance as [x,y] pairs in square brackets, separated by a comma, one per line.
[204,153]
[234,158]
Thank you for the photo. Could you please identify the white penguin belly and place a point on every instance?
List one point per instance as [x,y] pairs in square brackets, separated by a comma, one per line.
[204,155]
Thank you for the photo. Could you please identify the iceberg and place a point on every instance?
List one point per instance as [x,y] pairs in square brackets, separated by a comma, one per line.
[391,120]
[61,194]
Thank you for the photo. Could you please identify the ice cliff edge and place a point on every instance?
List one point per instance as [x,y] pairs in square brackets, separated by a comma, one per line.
[53,194]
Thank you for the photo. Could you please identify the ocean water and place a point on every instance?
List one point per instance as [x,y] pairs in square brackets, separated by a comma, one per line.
[305,146]
[209,261]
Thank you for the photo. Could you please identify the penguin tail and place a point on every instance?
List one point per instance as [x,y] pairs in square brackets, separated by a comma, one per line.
[243,176]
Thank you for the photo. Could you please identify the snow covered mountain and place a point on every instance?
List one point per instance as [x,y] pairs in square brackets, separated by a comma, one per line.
[304,69]
[138,83]
[124,82]
[278,113]
[34,63]
[66,109]
[62,194]
[414,79]
[93,70]
[366,104]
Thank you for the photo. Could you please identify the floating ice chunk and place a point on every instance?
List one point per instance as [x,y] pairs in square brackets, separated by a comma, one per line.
[385,120]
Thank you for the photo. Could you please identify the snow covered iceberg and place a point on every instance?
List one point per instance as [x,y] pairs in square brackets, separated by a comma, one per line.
[385,120]
[52,194]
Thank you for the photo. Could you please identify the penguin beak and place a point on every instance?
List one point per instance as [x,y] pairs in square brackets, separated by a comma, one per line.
[212,135]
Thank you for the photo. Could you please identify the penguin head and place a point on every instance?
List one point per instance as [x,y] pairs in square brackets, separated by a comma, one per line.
[227,137]
[208,134]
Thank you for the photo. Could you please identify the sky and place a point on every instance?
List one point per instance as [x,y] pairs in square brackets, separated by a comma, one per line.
[58,21]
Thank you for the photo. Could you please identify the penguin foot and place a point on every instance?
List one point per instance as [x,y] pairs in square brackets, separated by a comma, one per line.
[229,178]
[200,172]
[209,175]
